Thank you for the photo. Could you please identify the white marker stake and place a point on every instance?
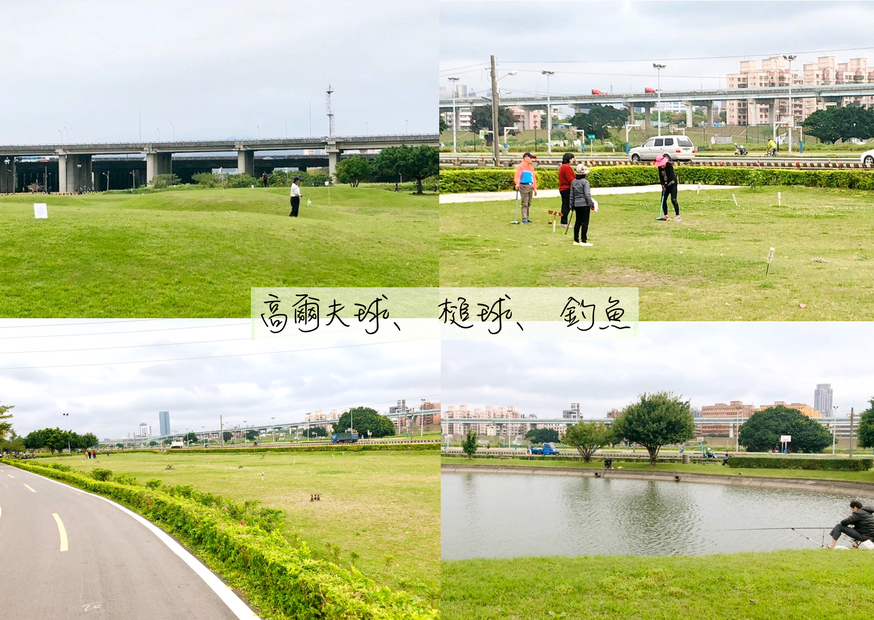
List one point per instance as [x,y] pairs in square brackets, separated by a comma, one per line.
[770,258]
[40,211]
[735,200]
[779,200]
[699,190]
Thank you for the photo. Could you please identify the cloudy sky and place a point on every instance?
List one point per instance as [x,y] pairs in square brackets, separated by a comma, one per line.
[706,363]
[108,377]
[214,69]
[612,45]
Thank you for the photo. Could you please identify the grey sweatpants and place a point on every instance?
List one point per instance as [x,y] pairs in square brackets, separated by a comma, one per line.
[526,192]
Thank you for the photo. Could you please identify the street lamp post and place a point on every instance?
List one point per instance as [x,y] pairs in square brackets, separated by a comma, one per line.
[548,112]
[834,427]
[272,431]
[790,58]
[174,131]
[495,105]
[658,69]
[68,436]
[454,81]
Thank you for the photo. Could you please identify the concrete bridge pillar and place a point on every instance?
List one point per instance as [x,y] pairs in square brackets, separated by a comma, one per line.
[631,114]
[333,157]
[647,116]
[74,171]
[158,163]
[7,175]
[710,114]
[246,162]
[689,120]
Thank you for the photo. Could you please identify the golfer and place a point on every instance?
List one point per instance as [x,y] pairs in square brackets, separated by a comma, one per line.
[295,197]
[525,181]
[565,178]
[581,200]
[668,180]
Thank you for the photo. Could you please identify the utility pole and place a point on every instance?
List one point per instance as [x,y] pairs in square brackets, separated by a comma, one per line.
[658,69]
[790,58]
[221,432]
[548,113]
[330,112]
[454,81]
[495,104]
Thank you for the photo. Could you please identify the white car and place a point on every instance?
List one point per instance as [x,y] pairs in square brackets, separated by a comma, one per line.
[676,147]
[867,158]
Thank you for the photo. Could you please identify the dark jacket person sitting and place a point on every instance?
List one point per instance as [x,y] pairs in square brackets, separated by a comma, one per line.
[859,525]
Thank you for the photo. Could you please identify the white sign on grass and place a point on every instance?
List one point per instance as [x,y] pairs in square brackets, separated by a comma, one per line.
[40,211]
[785,438]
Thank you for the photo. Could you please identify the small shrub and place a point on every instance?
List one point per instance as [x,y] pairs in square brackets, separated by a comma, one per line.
[125,479]
[101,474]
[163,181]
[154,483]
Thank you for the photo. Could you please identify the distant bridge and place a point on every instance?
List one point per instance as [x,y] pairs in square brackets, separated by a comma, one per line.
[74,167]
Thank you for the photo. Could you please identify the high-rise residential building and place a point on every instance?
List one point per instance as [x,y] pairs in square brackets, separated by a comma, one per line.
[573,412]
[145,430]
[164,422]
[774,72]
[822,399]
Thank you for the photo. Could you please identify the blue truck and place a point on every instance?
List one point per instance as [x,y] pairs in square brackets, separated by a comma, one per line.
[545,450]
[344,437]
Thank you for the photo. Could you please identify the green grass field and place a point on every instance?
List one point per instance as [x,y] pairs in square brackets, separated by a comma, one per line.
[711,468]
[378,510]
[791,585]
[197,252]
[708,267]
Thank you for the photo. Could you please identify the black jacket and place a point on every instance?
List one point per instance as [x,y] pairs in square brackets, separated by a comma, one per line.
[667,176]
[862,520]
[581,195]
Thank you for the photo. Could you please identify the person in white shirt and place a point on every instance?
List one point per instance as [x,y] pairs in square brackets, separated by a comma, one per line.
[295,197]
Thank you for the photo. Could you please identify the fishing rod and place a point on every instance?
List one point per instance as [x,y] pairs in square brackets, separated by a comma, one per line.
[794,529]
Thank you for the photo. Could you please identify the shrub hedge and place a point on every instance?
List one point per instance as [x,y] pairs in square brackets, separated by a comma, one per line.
[490,180]
[769,462]
[281,576]
[406,447]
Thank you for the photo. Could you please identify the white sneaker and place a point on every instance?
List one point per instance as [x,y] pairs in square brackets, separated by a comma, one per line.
[586,244]
[577,243]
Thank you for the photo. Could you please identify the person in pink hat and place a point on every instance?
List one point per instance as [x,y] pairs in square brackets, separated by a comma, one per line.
[668,180]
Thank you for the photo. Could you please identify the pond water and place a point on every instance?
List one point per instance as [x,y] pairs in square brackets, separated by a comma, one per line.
[517,515]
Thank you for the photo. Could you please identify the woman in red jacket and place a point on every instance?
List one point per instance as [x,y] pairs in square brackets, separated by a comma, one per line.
[566,176]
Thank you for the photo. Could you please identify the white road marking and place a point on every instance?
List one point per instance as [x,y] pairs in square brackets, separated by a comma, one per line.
[63,532]
[29,488]
[10,475]
[228,597]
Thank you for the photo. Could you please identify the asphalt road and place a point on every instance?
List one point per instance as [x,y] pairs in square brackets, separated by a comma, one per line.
[67,554]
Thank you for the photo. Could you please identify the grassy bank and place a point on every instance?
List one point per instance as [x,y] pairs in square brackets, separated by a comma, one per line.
[183,253]
[795,585]
[380,511]
[713,468]
[709,266]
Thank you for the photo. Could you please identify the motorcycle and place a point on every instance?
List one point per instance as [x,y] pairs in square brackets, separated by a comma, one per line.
[740,149]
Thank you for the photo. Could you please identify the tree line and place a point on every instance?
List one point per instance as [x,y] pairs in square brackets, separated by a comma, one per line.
[56,440]
[833,124]
[661,419]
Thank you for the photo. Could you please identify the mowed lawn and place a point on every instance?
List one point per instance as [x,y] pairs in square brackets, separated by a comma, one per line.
[791,585]
[196,252]
[708,267]
[378,510]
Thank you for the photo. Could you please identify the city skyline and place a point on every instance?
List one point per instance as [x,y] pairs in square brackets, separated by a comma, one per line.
[715,38]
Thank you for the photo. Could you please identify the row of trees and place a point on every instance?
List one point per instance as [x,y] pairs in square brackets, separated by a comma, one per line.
[410,162]
[833,124]
[56,440]
[662,419]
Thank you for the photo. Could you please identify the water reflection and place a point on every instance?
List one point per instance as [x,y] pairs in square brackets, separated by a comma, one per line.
[514,515]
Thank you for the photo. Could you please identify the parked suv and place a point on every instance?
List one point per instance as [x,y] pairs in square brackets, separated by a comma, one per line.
[675,147]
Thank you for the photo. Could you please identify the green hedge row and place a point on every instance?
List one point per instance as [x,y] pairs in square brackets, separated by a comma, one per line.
[406,447]
[768,462]
[281,576]
[491,180]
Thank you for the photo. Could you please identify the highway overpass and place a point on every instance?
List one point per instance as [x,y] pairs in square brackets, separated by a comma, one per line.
[827,95]
[67,167]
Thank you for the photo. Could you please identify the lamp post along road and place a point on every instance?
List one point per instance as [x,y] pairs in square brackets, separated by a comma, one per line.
[548,112]
[790,58]
[834,427]
[454,81]
[658,69]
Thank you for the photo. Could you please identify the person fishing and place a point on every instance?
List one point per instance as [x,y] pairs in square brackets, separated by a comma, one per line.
[859,525]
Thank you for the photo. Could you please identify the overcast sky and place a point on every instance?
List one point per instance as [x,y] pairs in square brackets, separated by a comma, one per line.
[104,394]
[706,363]
[214,69]
[612,45]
